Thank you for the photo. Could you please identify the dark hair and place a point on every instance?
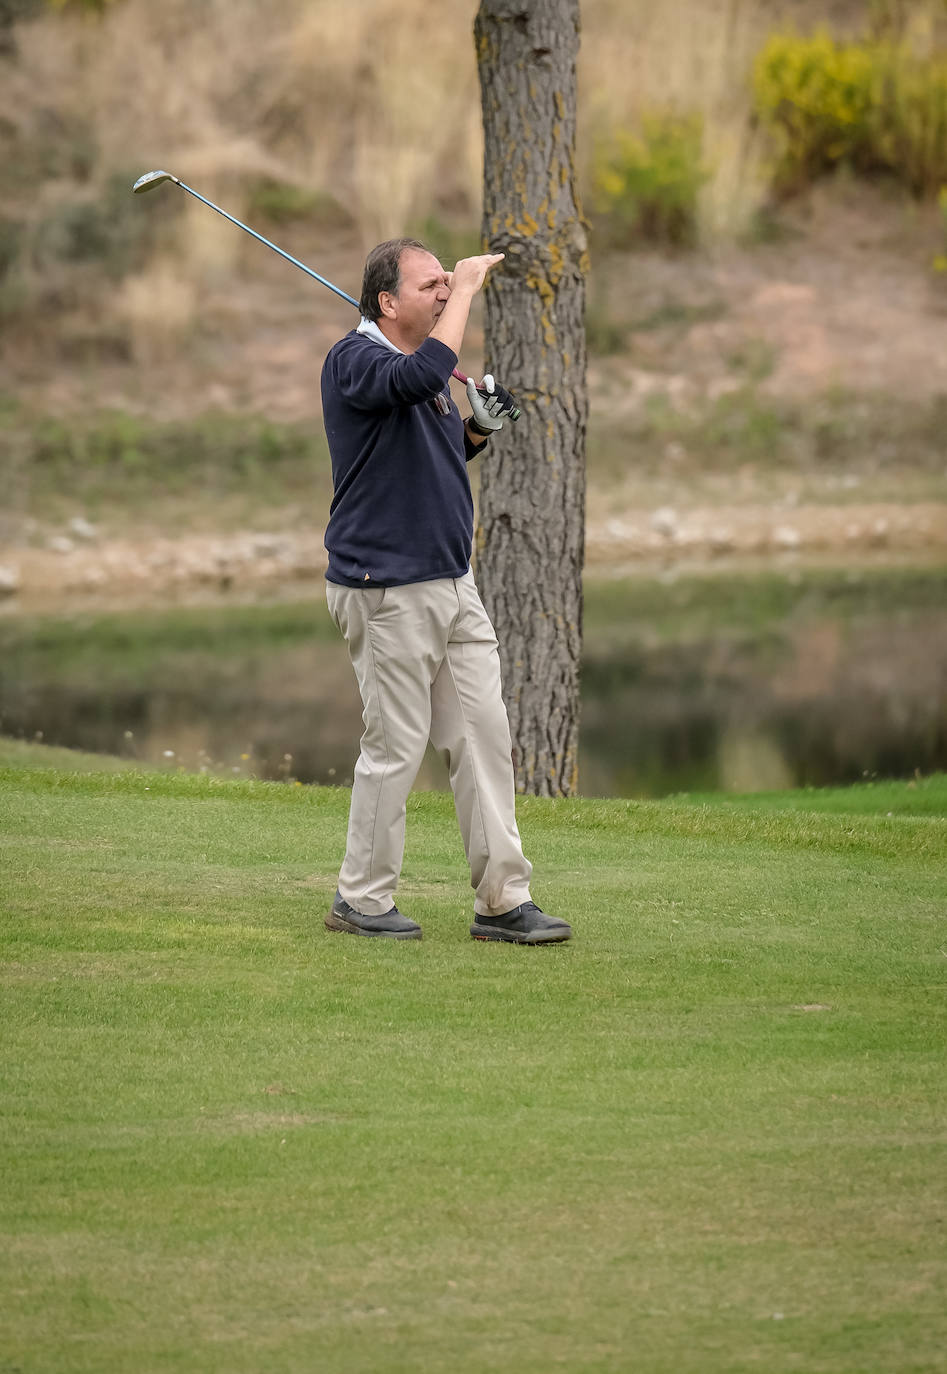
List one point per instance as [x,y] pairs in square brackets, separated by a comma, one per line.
[383,273]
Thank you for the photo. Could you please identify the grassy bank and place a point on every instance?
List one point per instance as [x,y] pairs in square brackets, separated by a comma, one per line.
[707,1135]
[222,471]
[129,646]
[217,471]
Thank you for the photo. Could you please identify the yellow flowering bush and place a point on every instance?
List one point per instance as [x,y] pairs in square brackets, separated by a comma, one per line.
[646,181]
[873,106]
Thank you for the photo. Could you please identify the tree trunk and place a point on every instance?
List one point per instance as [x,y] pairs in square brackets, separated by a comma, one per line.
[531,536]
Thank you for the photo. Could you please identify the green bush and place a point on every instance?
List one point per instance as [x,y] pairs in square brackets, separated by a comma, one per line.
[117,461]
[231,446]
[605,335]
[448,241]
[912,124]
[81,6]
[940,262]
[48,147]
[110,228]
[874,107]
[646,182]
[12,12]
[11,239]
[282,202]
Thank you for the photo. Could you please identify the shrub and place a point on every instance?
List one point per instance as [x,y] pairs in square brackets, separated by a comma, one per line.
[11,238]
[109,228]
[940,261]
[282,202]
[81,6]
[449,242]
[912,124]
[875,107]
[646,182]
[229,447]
[117,462]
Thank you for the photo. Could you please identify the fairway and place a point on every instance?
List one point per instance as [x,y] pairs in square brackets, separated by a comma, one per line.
[706,1135]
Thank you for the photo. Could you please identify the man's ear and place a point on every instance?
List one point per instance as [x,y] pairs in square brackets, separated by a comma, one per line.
[388,305]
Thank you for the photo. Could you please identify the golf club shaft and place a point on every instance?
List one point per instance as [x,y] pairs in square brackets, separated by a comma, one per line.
[276,249]
[461,377]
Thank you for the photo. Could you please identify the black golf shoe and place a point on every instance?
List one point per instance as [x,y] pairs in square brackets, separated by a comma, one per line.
[524,925]
[392,924]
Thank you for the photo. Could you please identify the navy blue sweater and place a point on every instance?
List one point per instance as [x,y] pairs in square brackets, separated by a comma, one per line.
[402,510]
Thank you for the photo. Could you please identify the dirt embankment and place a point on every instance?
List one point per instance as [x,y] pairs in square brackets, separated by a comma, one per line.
[76,569]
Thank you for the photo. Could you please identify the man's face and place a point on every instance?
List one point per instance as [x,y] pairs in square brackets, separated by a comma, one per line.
[422,295]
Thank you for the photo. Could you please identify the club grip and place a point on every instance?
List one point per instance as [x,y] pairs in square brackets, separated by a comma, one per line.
[515,413]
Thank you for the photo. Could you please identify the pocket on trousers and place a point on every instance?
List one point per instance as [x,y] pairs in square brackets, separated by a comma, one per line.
[374,600]
[342,601]
[332,601]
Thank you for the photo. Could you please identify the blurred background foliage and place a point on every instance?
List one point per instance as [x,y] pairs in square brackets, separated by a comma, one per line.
[694,119]
[876,107]
[330,127]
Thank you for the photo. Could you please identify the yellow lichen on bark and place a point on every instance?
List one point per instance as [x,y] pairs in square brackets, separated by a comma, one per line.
[557,264]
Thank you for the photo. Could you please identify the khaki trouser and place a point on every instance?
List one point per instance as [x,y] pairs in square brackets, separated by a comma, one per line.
[425,656]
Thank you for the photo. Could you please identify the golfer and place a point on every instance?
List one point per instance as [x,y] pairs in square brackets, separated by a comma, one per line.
[400,590]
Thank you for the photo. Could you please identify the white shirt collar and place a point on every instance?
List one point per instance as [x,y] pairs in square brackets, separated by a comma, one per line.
[370,329]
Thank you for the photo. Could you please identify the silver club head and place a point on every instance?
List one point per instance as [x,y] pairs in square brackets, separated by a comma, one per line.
[151,179]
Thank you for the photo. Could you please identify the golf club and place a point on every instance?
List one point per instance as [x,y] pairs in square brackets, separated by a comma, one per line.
[150,180]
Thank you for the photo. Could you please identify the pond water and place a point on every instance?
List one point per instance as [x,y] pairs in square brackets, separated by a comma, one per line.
[694,684]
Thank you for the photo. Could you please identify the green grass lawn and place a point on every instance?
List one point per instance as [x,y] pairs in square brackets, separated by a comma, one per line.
[707,1135]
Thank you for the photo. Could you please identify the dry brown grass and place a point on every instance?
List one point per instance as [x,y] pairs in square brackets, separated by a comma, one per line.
[690,56]
[372,103]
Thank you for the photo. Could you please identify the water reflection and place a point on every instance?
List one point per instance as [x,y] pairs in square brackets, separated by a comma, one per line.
[812,704]
[712,683]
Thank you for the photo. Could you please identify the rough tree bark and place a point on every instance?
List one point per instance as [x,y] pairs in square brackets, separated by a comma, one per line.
[531,536]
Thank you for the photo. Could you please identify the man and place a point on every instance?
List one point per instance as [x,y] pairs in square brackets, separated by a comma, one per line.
[400,589]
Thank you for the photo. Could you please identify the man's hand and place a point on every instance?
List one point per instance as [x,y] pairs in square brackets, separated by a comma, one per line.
[490,410]
[464,282]
[468,274]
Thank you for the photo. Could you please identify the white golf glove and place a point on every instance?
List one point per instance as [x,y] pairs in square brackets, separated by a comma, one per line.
[490,409]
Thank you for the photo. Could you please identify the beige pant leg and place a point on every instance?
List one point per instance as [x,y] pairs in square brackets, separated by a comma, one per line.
[425,657]
[397,639]
[469,727]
